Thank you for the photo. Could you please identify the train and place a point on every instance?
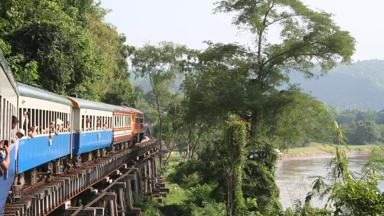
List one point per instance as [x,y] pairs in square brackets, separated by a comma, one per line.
[56,132]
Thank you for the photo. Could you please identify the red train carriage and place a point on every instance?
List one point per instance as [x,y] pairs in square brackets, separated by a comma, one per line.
[137,125]
[122,130]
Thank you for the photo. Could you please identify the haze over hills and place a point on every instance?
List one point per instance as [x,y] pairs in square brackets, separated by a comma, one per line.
[356,86]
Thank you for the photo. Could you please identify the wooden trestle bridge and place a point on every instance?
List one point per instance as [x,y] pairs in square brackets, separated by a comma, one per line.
[104,186]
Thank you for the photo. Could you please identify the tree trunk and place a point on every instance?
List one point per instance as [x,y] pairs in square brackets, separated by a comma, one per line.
[230,194]
[155,93]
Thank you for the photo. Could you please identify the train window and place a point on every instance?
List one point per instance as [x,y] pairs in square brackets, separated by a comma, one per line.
[20,118]
[98,122]
[82,122]
[40,121]
[90,126]
[49,120]
[42,124]
[4,119]
[46,121]
[85,123]
[8,121]
[90,123]
[129,122]
[93,123]
[54,118]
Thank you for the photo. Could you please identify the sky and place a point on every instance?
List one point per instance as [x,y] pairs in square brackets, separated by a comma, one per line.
[191,22]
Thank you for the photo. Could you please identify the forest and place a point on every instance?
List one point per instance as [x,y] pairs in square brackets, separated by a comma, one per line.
[234,108]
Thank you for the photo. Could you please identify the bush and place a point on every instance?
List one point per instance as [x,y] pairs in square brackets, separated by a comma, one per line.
[186,174]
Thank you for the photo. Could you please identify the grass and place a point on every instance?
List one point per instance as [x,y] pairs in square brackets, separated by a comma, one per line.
[176,194]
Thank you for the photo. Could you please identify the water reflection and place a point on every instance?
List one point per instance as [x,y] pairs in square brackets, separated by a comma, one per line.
[293,176]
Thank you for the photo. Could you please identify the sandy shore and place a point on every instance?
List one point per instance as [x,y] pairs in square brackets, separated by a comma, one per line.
[320,154]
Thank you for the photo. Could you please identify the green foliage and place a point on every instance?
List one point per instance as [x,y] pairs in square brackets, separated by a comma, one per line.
[63,46]
[362,127]
[349,194]
[160,65]
[259,184]
[296,118]
[187,174]
[200,194]
[305,210]
[121,92]
[217,209]
[235,140]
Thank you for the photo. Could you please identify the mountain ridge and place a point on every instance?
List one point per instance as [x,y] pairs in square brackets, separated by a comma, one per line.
[359,85]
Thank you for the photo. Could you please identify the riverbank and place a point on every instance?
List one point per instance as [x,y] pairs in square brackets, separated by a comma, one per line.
[323,150]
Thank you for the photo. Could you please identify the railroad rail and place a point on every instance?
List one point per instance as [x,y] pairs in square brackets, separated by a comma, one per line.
[105,186]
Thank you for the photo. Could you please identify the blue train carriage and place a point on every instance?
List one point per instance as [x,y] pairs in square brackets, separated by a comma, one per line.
[8,108]
[45,119]
[92,128]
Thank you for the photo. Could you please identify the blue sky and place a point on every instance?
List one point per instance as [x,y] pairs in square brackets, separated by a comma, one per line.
[190,22]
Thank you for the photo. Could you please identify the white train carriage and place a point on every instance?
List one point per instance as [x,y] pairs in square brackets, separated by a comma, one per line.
[92,126]
[8,108]
[46,119]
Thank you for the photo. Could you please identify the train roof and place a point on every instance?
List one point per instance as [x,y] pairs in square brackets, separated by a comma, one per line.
[33,92]
[122,109]
[7,70]
[136,110]
[87,104]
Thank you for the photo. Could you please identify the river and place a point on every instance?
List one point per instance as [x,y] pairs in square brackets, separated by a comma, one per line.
[293,176]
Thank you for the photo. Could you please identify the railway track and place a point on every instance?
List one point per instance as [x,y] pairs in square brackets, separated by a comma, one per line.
[106,186]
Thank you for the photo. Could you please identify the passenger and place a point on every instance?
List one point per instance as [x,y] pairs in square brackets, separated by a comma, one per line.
[98,123]
[59,126]
[20,133]
[51,130]
[4,146]
[32,131]
[15,121]
[26,120]
[4,156]
[68,127]
[88,123]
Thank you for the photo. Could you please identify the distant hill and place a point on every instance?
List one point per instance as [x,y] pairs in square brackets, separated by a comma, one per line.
[356,86]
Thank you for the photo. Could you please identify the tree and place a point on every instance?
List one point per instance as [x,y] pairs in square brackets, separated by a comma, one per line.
[63,46]
[234,145]
[365,133]
[231,79]
[296,118]
[159,65]
[120,92]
